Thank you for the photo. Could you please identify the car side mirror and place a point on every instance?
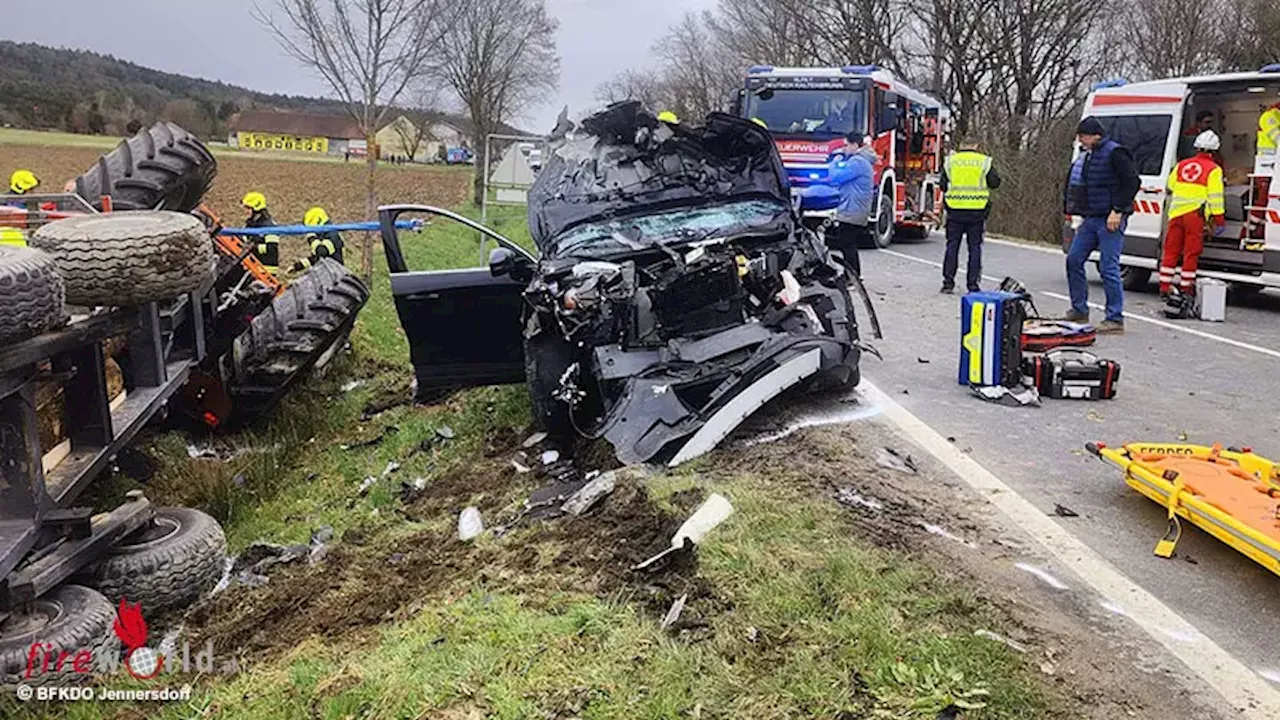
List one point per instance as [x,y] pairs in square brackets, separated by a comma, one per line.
[505,262]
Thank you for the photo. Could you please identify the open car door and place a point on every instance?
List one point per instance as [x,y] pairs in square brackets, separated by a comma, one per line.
[463,326]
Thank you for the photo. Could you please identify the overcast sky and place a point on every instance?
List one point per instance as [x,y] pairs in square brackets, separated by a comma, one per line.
[220,40]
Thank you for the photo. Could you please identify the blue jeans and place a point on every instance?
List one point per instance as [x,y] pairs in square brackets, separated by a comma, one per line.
[1094,235]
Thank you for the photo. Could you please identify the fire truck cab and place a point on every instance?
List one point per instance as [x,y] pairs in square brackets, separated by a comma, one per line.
[1157,121]
[811,112]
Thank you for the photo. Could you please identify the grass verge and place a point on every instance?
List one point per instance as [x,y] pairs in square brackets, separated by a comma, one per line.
[791,614]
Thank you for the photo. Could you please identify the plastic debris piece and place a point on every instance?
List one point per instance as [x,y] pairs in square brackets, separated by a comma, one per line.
[533,440]
[470,524]
[715,510]
[446,432]
[323,534]
[1064,511]
[366,484]
[390,468]
[522,469]
[673,615]
[849,496]
[1014,644]
[351,385]
[590,494]
[893,460]
[550,457]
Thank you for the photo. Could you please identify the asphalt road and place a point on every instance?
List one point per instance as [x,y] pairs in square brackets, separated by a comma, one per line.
[1187,381]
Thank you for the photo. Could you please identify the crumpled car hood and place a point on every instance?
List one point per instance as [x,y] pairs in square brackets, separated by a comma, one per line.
[624,162]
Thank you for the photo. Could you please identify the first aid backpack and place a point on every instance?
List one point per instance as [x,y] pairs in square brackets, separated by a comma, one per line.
[991,338]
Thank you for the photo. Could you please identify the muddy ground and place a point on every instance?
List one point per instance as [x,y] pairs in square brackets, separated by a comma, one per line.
[292,186]
[1097,662]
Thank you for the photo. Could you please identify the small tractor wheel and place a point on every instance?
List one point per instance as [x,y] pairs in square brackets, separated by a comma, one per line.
[31,293]
[129,258]
[71,619]
[163,167]
[167,564]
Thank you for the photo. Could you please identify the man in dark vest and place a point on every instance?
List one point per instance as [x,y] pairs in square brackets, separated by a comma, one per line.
[1101,188]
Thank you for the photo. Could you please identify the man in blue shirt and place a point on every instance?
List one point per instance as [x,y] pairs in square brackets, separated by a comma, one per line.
[856,174]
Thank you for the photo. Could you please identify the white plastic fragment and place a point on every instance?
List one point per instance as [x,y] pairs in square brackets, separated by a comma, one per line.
[533,439]
[366,484]
[1014,644]
[715,510]
[588,495]
[470,524]
[1048,579]
[550,456]
[522,469]
[673,614]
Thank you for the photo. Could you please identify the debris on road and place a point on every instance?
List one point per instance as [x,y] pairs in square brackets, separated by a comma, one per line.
[533,440]
[470,524]
[1064,511]
[891,459]
[849,496]
[1014,644]
[411,490]
[1019,396]
[522,469]
[366,485]
[942,532]
[710,514]
[391,467]
[551,456]
[673,615]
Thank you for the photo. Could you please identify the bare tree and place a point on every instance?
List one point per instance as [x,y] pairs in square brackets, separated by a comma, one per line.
[954,55]
[761,32]
[499,57]
[849,32]
[649,87]
[699,73]
[1169,38]
[368,51]
[1254,34]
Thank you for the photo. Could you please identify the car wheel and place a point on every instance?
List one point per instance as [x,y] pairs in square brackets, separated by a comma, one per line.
[546,359]
[885,226]
[1135,279]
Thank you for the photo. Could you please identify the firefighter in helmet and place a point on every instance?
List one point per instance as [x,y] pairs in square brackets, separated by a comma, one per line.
[268,246]
[23,182]
[323,244]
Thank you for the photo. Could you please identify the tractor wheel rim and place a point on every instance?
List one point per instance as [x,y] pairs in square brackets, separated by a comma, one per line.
[159,530]
[20,625]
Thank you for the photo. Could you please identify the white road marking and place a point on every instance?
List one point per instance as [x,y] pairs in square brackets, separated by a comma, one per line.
[1140,318]
[1027,246]
[1247,693]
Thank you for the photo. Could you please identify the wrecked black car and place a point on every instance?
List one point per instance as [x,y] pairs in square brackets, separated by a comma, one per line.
[674,293]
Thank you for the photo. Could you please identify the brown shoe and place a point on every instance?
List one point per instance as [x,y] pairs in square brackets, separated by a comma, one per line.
[1111,327]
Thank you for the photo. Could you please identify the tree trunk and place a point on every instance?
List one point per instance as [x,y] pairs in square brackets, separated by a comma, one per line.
[482,167]
[370,206]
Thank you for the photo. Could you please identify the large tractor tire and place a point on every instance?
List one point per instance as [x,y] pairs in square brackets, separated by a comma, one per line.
[285,341]
[31,293]
[163,167]
[69,618]
[128,258]
[167,565]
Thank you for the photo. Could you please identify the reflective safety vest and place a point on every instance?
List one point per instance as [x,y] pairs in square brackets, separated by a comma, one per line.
[268,251]
[967,181]
[1196,183]
[1268,131]
[12,237]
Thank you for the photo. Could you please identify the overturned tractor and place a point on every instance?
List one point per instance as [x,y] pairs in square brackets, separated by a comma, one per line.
[123,300]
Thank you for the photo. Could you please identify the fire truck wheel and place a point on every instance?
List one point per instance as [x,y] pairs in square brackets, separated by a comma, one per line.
[68,618]
[884,229]
[128,258]
[163,167]
[286,340]
[167,564]
[31,293]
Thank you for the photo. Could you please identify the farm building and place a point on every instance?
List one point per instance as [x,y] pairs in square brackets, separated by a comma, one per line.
[425,140]
[297,132]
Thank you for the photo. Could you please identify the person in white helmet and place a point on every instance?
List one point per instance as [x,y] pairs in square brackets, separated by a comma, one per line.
[1195,194]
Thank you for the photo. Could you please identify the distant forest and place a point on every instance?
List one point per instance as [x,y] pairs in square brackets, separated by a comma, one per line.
[84,92]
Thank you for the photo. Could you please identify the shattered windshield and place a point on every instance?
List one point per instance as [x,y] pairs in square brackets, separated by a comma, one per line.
[809,111]
[672,226]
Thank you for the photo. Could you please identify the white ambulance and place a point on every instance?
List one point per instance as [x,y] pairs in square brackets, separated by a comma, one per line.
[1157,121]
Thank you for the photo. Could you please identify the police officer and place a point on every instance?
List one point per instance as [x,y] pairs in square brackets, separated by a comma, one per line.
[322,244]
[268,247]
[967,180]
